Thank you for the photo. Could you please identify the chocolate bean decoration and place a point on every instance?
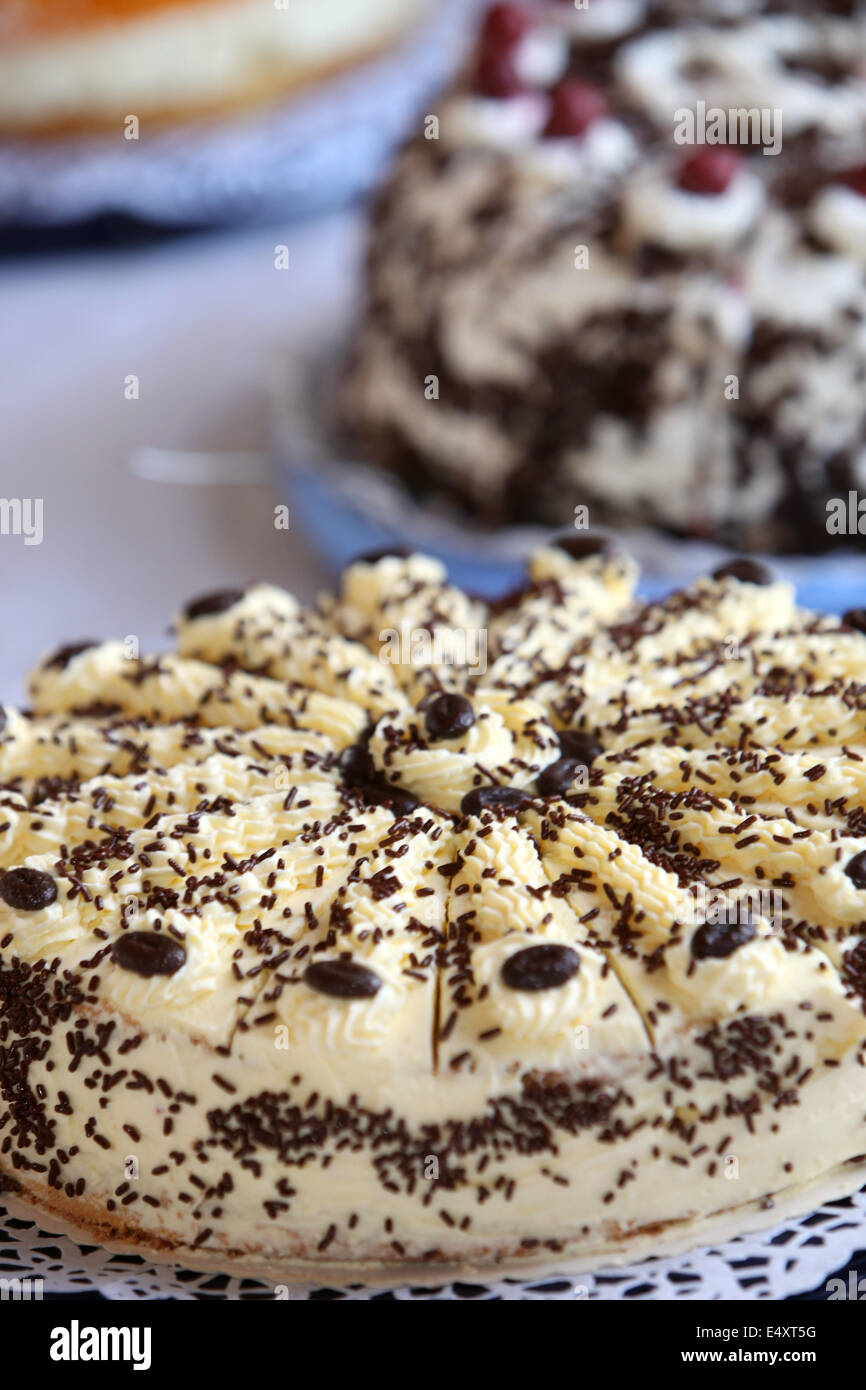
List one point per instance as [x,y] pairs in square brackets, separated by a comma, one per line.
[342,979]
[540,967]
[148,953]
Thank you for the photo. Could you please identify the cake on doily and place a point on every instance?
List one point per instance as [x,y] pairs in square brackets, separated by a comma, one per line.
[402,932]
[621,265]
[68,66]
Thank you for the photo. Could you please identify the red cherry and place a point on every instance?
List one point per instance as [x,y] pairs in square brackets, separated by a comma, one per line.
[709,171]
[503,25]
[496,74]
[856,179]
[574,106]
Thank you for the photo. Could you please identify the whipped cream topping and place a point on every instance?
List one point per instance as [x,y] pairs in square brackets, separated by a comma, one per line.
[655,211]
[337,1016]
[758,65]
[838,218]
[541,56]
[509,743]
[509,126]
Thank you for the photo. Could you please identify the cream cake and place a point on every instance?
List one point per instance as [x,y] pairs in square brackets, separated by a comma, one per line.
[77,65]
[620,265]
[405,933]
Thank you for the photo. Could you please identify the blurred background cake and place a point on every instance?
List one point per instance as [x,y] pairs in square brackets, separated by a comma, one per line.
[622,266]
[77,65]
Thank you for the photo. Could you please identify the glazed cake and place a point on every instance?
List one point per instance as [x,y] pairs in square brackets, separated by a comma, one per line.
[68,66]
[318,963]
[567,306]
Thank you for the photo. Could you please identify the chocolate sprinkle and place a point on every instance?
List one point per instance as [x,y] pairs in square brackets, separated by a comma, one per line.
[856,869]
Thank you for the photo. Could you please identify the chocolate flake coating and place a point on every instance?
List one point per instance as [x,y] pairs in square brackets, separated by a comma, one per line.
[148,953]
[540,967]
[28,890]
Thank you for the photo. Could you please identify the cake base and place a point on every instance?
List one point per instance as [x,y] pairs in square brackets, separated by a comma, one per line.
[656,1241]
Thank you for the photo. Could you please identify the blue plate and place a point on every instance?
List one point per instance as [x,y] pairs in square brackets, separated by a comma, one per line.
[347,507]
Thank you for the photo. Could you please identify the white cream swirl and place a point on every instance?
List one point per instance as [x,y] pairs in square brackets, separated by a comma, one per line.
[509,743]
[655,211]
[838,218]
[530,1015]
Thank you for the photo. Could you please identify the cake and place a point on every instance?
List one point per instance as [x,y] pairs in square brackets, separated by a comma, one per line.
[69,66]
[401,934]
[621,266]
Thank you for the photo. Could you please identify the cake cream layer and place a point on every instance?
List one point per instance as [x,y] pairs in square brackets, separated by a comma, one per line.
[314,947]
[179,57]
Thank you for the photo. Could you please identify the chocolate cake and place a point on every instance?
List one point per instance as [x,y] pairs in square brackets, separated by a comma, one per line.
[622,267]
[403,934]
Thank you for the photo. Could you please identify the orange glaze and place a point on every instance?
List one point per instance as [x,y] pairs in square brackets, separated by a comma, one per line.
[21,21]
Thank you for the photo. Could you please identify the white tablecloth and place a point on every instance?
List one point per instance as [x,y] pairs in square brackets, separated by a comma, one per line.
[203,323]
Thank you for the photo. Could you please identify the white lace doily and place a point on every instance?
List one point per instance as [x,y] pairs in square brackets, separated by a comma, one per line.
[773,1264]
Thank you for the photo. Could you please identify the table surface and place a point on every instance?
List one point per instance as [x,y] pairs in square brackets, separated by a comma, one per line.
[204,323]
